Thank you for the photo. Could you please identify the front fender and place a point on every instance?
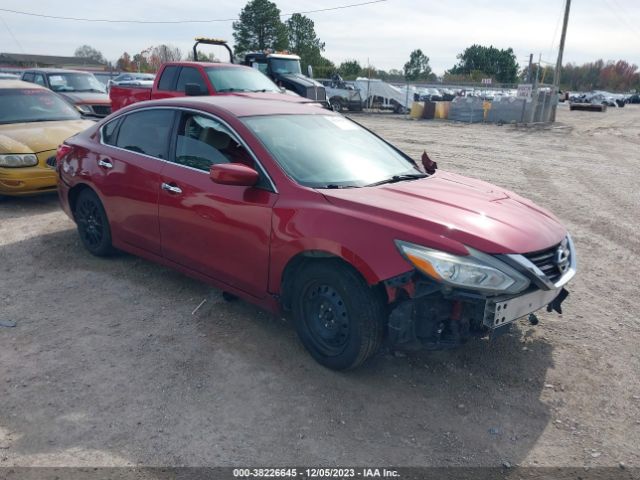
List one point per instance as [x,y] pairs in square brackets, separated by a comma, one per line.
[368,247]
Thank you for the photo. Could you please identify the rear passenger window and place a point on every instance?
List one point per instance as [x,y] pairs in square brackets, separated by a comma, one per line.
[168,78]
[28,77]
[190,75]
[109,132]
[146,132]
[39,79]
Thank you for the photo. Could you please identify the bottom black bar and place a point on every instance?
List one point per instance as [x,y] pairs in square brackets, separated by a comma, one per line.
[320,473]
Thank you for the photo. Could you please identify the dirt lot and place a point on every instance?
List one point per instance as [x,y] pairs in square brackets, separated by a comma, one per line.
[108,366]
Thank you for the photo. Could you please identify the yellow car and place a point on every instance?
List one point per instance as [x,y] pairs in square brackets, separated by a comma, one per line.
[33,122]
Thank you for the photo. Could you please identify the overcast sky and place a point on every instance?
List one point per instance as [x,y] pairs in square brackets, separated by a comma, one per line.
[383,33]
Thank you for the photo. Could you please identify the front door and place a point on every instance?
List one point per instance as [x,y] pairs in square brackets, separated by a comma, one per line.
[221,231]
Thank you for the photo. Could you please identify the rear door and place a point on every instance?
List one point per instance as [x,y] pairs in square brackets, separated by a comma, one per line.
[128,167]
[221,231]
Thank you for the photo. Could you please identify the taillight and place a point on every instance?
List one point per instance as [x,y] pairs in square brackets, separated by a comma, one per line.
[63,151]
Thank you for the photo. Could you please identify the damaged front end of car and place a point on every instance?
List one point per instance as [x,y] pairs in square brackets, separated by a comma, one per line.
[447,299]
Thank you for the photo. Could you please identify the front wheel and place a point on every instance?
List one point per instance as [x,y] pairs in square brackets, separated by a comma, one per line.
[336,105]
[338,317]
[93,224]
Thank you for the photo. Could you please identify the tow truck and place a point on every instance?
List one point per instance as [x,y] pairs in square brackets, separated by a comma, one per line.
[284,69]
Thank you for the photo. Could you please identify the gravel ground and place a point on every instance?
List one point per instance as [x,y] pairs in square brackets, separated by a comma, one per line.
[107,365]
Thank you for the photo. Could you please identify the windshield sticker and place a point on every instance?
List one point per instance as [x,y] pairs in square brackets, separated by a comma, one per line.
[55,78]
[342,123]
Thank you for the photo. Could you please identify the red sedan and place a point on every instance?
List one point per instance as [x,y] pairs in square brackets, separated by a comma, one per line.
[292,207]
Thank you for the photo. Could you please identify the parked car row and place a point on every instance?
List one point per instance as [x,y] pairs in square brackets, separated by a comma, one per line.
[294,208]
[600,97]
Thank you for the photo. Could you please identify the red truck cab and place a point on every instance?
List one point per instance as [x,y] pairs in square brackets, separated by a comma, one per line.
[179,79]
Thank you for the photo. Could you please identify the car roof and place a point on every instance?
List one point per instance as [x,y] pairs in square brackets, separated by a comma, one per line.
[247,105]
[205,64]
[14,84]
[55,70]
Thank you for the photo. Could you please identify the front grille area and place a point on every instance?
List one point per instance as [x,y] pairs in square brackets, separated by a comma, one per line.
[545,260]
[103,110]
[316,93]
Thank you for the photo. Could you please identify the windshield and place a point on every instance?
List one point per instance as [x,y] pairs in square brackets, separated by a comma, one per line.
[236,79]
[323,151]
[284,65]
[75,82]
[27,105]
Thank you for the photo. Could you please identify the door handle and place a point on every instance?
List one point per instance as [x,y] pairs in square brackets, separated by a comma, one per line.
[170,188]
[105,162]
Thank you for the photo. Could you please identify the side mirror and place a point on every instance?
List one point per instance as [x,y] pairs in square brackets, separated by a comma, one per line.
[237,174]
[429,165]
[193,90]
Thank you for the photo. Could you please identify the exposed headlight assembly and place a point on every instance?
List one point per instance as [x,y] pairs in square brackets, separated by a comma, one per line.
[18,160]
[477,271]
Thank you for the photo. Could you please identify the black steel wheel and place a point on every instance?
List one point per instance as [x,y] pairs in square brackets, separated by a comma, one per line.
[93,224]
[326,317]
[339,318]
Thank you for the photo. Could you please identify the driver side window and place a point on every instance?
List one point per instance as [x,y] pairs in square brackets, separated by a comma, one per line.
[203,141]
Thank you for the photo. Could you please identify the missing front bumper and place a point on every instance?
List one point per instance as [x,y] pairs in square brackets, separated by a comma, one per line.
[439,321]
[503,310]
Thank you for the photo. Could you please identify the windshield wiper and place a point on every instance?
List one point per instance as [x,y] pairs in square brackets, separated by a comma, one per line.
[233,90]
[333,186]
[398,178]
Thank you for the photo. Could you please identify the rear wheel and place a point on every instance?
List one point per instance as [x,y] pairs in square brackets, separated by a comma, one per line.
[339,318]
[93,224]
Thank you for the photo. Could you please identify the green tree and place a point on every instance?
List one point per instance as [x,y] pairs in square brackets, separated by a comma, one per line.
[490,61]
[349,69]
[259,27]
[303,40]
[87,51]
[417,68]
[323,68]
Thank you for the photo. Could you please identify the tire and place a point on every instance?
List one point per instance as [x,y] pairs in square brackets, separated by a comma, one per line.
[93,224]
[339,318]
[336,104]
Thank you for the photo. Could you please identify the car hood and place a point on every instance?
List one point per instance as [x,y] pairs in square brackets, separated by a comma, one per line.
[38,136]
[469,211]
[299,79]
[87,97]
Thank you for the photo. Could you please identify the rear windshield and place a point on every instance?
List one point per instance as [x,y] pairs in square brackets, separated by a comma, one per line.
[31,105]
[236,79]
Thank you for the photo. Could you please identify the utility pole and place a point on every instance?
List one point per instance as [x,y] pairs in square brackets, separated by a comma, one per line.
[556,73]
[529,69]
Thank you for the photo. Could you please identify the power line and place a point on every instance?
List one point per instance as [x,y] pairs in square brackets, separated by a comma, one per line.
[107,20]
[12,35]
[629,25]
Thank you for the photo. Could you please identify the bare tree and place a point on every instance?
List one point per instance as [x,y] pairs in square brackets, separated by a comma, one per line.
[162,54]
